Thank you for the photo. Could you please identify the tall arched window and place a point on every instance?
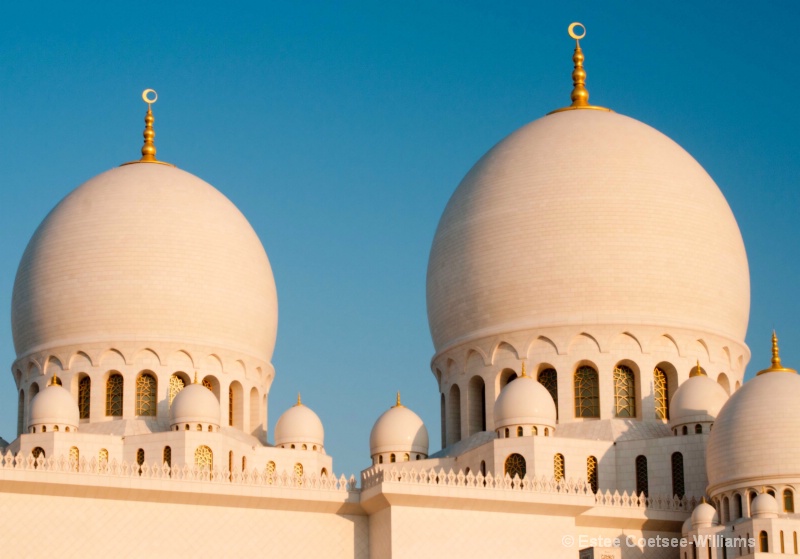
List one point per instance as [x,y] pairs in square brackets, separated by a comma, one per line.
[587,393]
[763,542]
[559,467]
[255,411]
[454,415]
[146,395]
[37,453]
[443,420]
[737,506]
[514,466]
[519,431]
[230,406]
[236,405]
[591,473]
[74,458]
[641,476]
[661,388]
[114,392]
[166,457]
[624,392]
[176,384]
[20,412]
[204,458]
[678,487]
[84,397]
[549,379]
[140,456]
[725,513]
[788,500]
[476,399]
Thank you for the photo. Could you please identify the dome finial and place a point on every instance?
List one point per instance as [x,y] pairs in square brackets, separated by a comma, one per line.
[522,374]
[54,380]
[579,95]
[195,377]
[299,400]
[776,366]
[398,404]
[698,371]
[149,96]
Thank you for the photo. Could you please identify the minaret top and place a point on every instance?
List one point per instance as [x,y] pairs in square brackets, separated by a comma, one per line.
[580,95]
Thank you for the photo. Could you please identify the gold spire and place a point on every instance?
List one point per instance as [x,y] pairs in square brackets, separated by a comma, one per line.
[580,95]
[776,359]
[54,380]
[299,401]
[195,377]
[398,404]
[522,374]
[149,96]
[698,372]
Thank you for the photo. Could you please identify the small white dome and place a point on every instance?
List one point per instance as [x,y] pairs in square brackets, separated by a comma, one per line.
[299,425]
[699,399]
[54,405]
[686,526]
[524,401]
[704,515]
[764,506]
[398,430]
[195,404]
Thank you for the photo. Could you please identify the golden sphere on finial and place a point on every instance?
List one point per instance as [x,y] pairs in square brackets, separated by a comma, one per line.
[572,32]
[146,96]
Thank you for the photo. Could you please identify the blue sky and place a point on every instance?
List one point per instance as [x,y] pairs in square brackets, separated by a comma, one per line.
[341,129]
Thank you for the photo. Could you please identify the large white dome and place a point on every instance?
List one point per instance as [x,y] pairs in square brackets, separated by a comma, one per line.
[586,217]
[145,253]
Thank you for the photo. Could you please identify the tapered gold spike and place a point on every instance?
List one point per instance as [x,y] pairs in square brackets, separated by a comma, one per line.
[579,95]
[776,367]
[698,372]
[54,380]
[398,404]
[299,401]
[149,96]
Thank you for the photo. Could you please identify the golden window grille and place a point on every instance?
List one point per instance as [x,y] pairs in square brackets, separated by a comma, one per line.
[102,457]
[140,456]
[84,397]
[642,486]
[207,384]
[244,463]
[587,393]
[788,500]
[549,379]
[74,458]
[624,392]
[678,487]
[270,472]
[204,458]
[167,456]
[662,393]
[515,466]
[558,467]
[298,474]
[114,393]
[591,473]
[176,384]
[146,395]
[230,406]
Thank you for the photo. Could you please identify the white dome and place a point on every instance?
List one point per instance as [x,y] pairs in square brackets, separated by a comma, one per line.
[686,526]
[764,506]
[145,253]
[699,399]
[398,430]
[704,515]
[524,401]
[584,217]
[195,404]
[54,405]
[299,425]
[747,447]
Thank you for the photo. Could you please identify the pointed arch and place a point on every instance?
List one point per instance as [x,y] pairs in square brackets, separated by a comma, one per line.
[146,357]
[477,356]
[112,358]
[723,381]
[476,405]
[454,415]
[79,360]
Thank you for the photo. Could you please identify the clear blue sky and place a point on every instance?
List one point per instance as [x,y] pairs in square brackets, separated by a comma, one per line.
[341,129]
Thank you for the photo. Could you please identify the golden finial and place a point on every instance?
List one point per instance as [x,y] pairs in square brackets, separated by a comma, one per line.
[703,499]
[776,359]
[299,401]
[698,372]
[522,374]
[398,404]
[149,96]
[54,380]
[579,95]
[195,377]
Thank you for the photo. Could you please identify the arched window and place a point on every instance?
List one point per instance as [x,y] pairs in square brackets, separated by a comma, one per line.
[794,540]
[737,506]
[454,415]
[698,429]
[20,411]
[166,458]
[678,487]
[392,458]
[146,395]
[519,431]
[55,428]
[323,472]
[270,471]
[641,476]
[140,456]
[624,392]
[102,458]
[587,393]
[255,410]
[199,427]
[176,384]
[559,467]
[114,391]
[380,459]
[84,397]
[244,463]
[443,421]
[204,458]
[230,406]
[725,513]
[514,466]
[37,453]
[74,458]
[534,430]
[549,379]
[506,432]
[783,547]
[207,383]
[788,500]
[477,405]
[298,474]
[406,457]
[685,430]
[661,389]
[236,405]
[546,432]
[591,473]
[763,542]
[483,467]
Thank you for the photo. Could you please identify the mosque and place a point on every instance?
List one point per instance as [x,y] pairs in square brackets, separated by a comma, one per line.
[592,398]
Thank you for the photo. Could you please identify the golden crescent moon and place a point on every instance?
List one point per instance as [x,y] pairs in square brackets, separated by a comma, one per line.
[574,35]
[147,92]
